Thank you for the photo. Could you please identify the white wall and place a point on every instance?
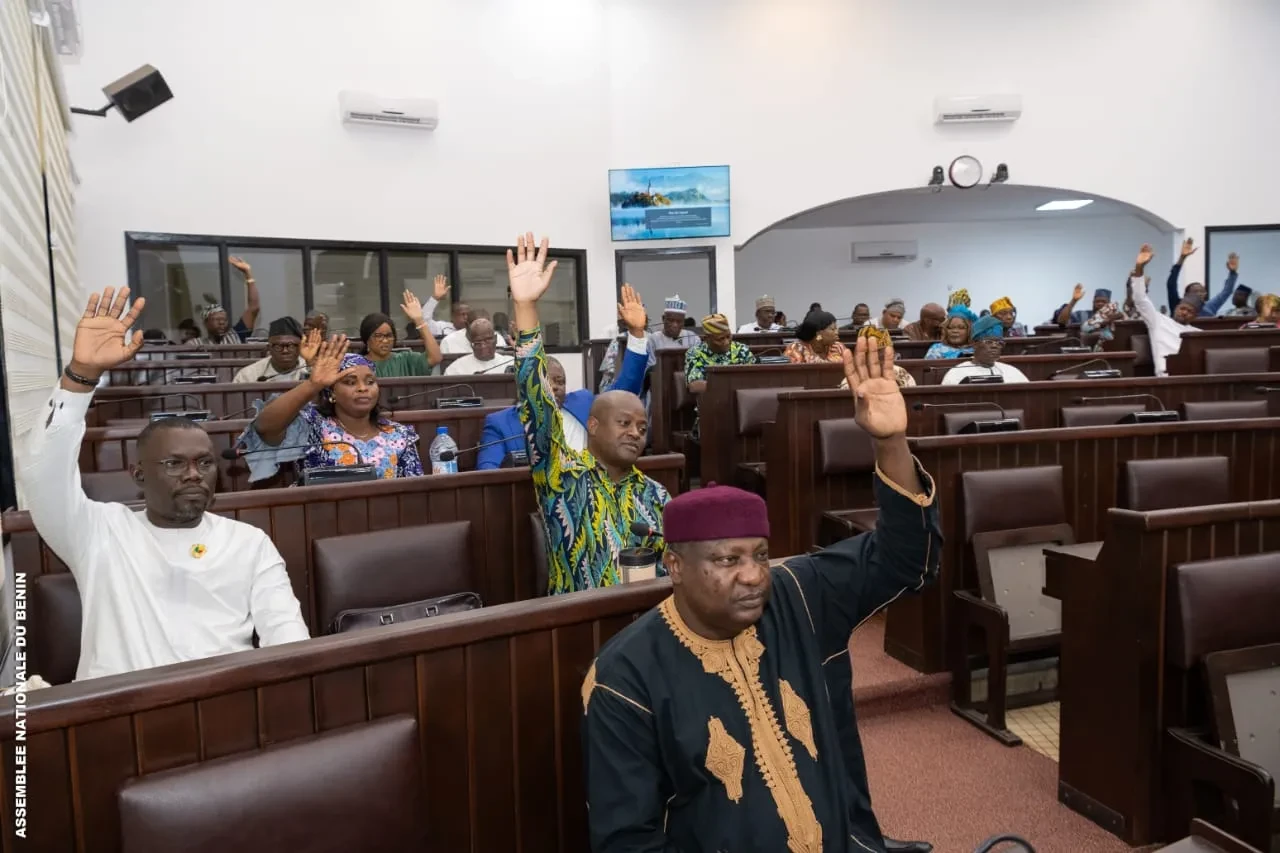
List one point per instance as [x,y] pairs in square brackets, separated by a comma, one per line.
[1259,253]
[809,101]
[1035,263]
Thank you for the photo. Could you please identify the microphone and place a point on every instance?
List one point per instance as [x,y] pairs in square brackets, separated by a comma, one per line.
[186,397]
[197,414]
[504,365]
[1054,343]
[234,415]
[644,531]
[1109,373]
[400,398]
[1004,423]
[780,358]
[1161,415]
[992,843]
[450,455]
[238,452]
[359,472]
[985,404]
[1267,389]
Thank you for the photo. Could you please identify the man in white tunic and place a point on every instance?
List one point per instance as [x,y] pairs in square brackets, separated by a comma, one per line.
[988,346]
[168,584]
[1164,332]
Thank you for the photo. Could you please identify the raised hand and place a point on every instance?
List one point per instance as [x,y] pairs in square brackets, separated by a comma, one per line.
[441,287]
[242,265]
[311,342]
[100,342]
[631,311]
[528,272]
[1145,254]
[1233,262]
[1078,293]
[326,367]
[412,308]
[879,407]
[1188,248]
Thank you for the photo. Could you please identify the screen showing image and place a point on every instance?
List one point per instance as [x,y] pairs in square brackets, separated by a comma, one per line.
[662,204]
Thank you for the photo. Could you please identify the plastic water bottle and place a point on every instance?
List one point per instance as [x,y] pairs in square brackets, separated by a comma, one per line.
[444,445]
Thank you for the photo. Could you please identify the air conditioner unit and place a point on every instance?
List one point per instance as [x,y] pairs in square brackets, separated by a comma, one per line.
[962,109]
[363,108]
[892,250]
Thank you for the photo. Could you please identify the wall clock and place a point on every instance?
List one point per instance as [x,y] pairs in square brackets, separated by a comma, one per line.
[965,171]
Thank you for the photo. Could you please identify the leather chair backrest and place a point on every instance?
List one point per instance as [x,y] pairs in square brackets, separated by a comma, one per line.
[541,567]
[1229,603]
[1171,483]
[1012,498]
[110,486]
[1243,360]
[53,628]
[1223,410]
[1141,344]
[844,448]
[382,568]
[1081,416]
[354,788]
[953,422]
[684,400]
[757,407]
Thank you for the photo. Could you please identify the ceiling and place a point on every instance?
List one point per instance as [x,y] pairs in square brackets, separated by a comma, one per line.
[1000,202]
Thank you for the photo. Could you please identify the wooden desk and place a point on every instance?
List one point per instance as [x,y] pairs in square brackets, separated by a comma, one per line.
[1190,357]
[1058,560]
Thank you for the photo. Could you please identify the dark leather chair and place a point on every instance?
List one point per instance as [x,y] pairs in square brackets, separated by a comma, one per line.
[1152,484]
[1141,344]
[1082,416]
[383,568]
[110,487]
[53,627]
[757,407]
[1243,360]
[953,422]
[843,449]
[541,566]
[1224,410]
[684,400]
[354,788]
[1217,606]
[1010,515]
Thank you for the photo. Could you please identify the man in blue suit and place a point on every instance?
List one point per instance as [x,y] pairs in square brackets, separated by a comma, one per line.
[503,432]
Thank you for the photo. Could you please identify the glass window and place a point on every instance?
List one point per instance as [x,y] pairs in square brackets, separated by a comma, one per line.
[484,287]
[416,271]
[278,275]
[346,287]
[176,281]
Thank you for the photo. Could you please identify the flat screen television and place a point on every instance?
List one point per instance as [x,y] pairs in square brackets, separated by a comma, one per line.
[663,204]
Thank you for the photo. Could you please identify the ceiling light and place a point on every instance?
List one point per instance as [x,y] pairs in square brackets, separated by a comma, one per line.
[1065,204]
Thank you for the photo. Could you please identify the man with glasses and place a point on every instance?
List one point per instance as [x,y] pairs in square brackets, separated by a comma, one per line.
[171,582]
[484,357]
[988,346]
[283,362]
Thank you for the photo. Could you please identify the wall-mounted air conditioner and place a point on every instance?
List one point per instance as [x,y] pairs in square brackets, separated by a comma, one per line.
[364,108]
[888,250]
[963,109]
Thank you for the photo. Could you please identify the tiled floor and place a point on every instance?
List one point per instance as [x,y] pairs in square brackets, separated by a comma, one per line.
[1038,727]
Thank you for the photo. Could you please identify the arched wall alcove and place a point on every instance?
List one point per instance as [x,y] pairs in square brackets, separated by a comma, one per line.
[991,241]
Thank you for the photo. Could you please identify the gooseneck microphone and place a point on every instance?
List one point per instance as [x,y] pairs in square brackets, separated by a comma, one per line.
[1004,423]
[235,415]
[1109,373]
[331,474]
[1267,389]
[239,452]
[1161,415]
[992,843]
[400,398]
[1057,342]
[1112,399]
[644,531]
[981,404]
[450,455]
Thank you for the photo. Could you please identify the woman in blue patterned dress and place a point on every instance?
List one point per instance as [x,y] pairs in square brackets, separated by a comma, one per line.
[335,415]
[957,331]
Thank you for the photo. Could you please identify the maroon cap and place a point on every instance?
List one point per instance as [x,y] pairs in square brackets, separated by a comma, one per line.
[715,512]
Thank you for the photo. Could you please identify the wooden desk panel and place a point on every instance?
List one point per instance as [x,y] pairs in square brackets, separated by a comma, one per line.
[1189,359]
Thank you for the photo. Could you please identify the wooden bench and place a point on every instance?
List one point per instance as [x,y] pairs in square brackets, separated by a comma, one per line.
[497,503]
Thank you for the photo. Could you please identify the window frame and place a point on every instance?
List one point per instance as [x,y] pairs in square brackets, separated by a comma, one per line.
[136,241]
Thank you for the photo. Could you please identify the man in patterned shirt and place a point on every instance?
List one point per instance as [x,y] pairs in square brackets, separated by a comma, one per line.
[588,498]
[717,348]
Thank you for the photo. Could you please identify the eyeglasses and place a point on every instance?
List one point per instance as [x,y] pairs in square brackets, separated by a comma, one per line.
[178,467]
[383,336]
[283,347]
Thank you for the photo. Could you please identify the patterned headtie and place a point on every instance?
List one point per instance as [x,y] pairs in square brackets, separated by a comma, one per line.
[959,297]
[715,324]
[1004,303]
[883,339]
[209,310]
[351,359]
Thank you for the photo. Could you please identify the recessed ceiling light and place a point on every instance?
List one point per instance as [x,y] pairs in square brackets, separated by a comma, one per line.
[1066,204]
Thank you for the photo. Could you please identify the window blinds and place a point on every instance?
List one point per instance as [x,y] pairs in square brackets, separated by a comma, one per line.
[33,136]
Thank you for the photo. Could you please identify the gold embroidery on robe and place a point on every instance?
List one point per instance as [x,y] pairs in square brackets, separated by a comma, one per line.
[796,713]
[588,685]
[725,758]
[737,661]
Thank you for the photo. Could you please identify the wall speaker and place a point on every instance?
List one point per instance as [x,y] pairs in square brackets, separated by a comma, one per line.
[138,93]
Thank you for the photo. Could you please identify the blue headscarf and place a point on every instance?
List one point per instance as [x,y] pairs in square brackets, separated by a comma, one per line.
[351,359]
[988,327]
[959,310]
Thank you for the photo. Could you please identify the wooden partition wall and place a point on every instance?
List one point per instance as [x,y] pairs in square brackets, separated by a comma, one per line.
[154,371]
[1189,358]
[497,503]
[1114,686]
[496,693]
[115,448]
[222,399]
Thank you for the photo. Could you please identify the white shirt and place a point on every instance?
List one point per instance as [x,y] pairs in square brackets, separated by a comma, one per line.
[575,433]
[147,598]
[688,338]
[456,343]
[1164,332]
[752,329]
[262,371]
[469,364]
[438,328]
[969,368]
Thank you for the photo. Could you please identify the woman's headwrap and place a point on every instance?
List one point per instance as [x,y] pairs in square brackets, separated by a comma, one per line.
[959,297]
[883,339]
[715,324]
[350,360]
[963,312]
[988,327]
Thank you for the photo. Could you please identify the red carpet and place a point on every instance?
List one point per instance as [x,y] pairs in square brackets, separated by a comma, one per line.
[937,778]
